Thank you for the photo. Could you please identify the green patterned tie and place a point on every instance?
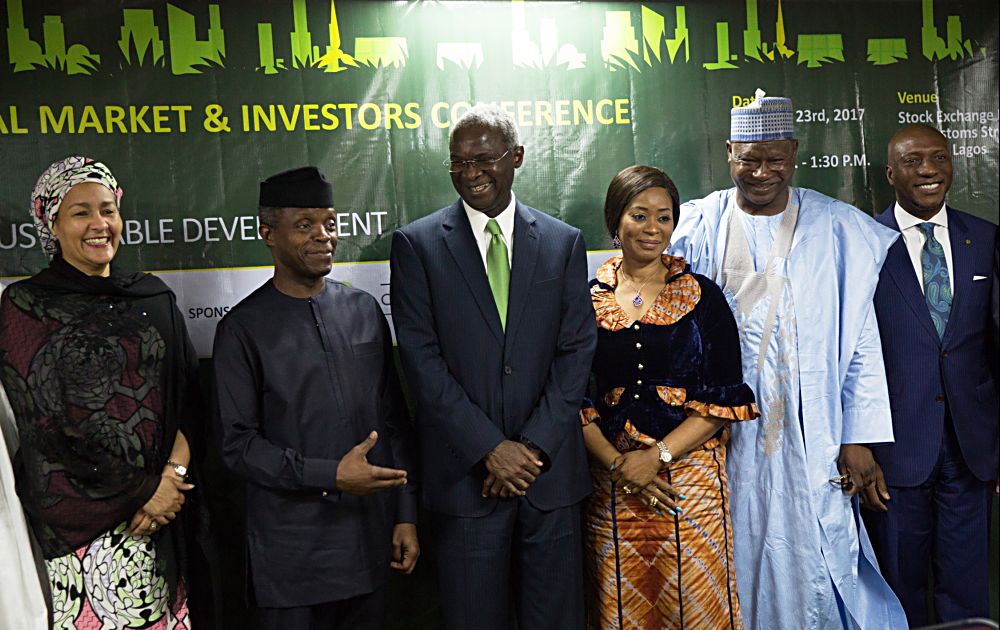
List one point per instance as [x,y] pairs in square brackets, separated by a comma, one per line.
[937,286]
[498,269]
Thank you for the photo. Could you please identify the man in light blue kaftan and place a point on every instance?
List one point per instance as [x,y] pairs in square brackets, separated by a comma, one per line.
[799,270]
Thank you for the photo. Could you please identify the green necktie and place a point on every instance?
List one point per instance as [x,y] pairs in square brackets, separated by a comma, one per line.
[498,269]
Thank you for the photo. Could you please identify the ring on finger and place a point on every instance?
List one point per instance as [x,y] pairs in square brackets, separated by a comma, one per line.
[626,490]
[653,502]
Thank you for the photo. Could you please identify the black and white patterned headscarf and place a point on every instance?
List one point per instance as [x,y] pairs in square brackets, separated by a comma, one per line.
[52,186]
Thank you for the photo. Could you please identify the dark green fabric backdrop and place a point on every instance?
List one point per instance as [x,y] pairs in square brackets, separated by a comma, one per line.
[191,104]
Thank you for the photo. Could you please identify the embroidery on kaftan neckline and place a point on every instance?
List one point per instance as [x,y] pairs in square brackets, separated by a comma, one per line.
[748,287]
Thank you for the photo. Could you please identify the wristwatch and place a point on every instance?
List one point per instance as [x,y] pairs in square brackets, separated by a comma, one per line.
[665,456]
[182,470]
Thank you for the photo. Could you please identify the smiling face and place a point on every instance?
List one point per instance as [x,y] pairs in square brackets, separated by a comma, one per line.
[761,172]
[646,225]
[919,170]
[302,242]
[88,228]
[486,189]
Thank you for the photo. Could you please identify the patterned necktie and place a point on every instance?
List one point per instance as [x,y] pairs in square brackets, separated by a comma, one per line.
[937,287]
[498,269]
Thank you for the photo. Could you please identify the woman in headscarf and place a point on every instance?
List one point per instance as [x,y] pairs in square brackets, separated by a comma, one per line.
[101,377]
[668,381]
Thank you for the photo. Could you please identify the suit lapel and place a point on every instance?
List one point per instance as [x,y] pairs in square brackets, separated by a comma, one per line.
[961,259]
[900,269]
[522,272]
[462,245]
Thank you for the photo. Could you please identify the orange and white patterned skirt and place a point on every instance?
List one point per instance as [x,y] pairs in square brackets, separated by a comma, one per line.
[674,571]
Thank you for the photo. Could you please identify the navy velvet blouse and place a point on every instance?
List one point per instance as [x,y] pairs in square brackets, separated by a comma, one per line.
[681,357]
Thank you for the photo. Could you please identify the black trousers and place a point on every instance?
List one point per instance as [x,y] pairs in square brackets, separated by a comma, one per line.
[364,612]
[537,555]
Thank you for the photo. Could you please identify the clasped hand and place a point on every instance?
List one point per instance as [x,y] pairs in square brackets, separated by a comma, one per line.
[637,473]
[861,474]
[163,506]
[512,467]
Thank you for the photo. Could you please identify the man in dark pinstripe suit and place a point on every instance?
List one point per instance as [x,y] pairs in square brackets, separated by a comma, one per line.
[932,304]
[496,332]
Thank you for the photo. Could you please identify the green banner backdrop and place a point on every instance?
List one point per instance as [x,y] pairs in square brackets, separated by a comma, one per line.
[192,103]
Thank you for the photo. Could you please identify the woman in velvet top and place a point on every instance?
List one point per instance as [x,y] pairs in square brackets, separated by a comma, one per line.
[666,381]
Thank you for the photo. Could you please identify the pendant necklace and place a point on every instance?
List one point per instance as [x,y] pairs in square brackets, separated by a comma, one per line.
[637,301]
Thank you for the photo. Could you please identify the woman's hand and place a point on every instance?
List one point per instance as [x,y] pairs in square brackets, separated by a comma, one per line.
[168,498]
[143,524]
[635,469]
[661,495]
[637,472]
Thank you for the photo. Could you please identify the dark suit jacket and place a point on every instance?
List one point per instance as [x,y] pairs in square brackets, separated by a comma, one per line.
[925,372]
[476,386]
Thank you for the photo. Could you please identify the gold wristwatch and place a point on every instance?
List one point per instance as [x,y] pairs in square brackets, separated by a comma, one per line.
[665,456]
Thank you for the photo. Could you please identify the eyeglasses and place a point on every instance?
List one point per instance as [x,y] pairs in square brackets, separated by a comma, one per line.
[457,166]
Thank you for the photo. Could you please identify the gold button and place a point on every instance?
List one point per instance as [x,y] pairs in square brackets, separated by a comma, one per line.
[325,493]
[638,345]
[636,327]
[641,366]
[639,382]
[636,396]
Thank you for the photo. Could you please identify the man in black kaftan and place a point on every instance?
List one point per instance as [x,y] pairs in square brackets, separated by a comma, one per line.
[310,413]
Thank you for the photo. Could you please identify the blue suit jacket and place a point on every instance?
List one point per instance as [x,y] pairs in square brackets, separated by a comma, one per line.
[474,385]
[926,372]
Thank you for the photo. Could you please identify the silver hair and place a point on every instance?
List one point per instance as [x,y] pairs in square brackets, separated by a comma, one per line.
[492,117]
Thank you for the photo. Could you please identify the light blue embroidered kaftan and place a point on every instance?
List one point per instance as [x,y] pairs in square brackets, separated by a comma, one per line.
[800,285]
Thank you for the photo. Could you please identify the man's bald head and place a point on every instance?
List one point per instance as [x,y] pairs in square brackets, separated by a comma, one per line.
[919,169]
[915,129]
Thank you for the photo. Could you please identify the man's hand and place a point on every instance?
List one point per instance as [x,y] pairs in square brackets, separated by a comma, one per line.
[405,547]
[862,474]
[356,476]
[512,467]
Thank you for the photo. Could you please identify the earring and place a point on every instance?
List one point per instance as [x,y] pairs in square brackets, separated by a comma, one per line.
[617,242]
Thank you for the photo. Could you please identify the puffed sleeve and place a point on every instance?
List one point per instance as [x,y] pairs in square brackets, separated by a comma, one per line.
[723,394]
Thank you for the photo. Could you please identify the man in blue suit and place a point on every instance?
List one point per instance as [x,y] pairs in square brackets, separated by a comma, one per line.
[496,332]
[932,304]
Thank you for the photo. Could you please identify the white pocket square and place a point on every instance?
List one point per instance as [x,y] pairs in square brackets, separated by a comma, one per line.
[974,278]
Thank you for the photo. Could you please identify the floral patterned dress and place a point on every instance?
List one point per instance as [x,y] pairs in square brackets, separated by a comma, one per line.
[98,370]
[647,569]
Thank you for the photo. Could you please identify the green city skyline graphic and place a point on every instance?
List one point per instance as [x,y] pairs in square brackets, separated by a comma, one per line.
[630,38]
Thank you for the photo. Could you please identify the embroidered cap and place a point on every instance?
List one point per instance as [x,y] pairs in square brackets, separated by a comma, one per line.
[766,118]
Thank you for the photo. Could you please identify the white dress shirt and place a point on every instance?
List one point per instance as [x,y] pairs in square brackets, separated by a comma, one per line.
[505,219]
[914,239]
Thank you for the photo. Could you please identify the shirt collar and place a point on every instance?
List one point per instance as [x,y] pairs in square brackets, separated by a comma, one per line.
[905,220]
[505,219]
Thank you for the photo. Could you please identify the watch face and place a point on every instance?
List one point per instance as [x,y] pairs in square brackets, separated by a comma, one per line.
[665,455]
